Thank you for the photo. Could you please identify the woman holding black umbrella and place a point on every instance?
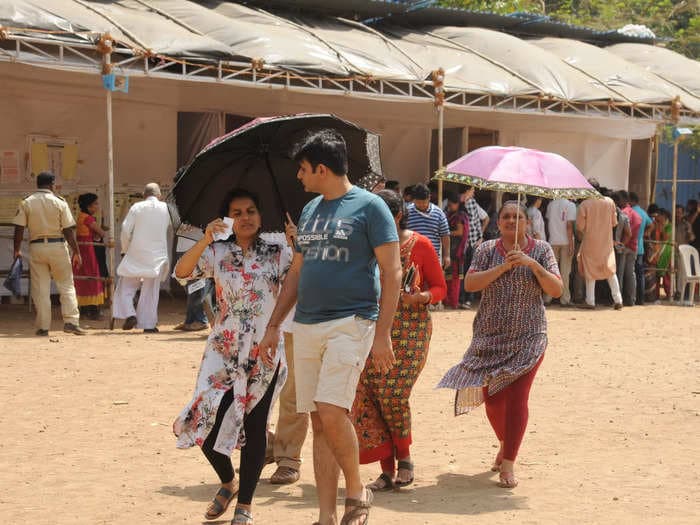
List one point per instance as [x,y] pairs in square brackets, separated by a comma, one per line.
[235,387]
[510,332]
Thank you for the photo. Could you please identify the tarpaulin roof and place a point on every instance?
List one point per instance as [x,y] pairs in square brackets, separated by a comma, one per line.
[476,60]
[672,67]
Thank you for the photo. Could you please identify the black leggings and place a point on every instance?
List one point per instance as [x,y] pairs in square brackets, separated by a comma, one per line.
[252,453]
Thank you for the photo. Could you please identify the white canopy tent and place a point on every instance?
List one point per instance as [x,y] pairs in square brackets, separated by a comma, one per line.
[223,57]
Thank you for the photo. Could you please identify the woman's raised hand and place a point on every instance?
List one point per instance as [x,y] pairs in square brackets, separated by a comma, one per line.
[214,227]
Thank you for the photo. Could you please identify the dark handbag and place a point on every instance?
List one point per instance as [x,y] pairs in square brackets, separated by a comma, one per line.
[13,282]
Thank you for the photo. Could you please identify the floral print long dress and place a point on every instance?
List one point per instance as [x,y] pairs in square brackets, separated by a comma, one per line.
[247,286]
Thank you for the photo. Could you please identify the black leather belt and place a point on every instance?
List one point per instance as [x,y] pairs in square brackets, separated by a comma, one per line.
[47,239]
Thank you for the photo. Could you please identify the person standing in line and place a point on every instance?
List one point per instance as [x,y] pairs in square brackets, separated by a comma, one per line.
[535,218]
[199,290]
[342,313]
[626,275]
[510,333]
[51,225]
[639,264]
[478,222]
[381,412]
[595,221]
[561,216]
[693,218]
[459,237]
[428,219]
[144,242]
[90,291]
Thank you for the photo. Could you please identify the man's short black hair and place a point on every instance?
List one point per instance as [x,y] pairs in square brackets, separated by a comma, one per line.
[624,196]
[634,198]
[325,147]
[392,185]
[421,192]
[45,179]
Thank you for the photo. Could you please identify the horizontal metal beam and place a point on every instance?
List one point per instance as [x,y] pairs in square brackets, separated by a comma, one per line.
[84,57]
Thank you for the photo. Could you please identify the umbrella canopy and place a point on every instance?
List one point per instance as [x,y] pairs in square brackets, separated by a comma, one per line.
[519,170]
[258,157]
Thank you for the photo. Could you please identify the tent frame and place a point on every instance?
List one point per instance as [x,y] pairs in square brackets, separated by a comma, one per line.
[51,51]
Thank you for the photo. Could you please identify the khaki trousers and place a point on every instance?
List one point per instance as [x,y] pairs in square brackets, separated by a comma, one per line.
[292,428]
[46,261]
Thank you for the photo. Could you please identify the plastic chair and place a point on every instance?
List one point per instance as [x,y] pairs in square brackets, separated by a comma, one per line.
[689,272]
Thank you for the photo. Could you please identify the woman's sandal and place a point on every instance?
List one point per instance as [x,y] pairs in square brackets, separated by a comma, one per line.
[383,483]
[358,509]
[507,480]
[216,509]
[242,516]
[405,465]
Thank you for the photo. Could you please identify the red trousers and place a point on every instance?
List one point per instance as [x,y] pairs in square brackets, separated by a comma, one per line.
[508,412]
[453,286]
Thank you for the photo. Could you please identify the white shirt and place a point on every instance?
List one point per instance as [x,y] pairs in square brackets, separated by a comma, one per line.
[537,222]
[144,240]
[559,213]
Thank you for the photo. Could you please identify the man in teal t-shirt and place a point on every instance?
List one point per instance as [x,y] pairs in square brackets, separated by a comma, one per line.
[342,314]
[639,265]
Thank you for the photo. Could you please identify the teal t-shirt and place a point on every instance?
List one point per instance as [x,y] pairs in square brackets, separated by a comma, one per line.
[339,277]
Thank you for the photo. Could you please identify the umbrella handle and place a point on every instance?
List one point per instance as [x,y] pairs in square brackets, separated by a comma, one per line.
[517,240]
[280,198]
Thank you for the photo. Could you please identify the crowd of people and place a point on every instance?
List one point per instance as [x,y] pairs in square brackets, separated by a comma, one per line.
[611,239]
[339,342]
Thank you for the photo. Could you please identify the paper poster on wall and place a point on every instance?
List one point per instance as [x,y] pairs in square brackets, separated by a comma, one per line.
[56,155]
[39,157]
[9,167]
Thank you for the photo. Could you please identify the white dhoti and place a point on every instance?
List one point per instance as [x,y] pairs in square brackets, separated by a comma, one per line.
[146,311]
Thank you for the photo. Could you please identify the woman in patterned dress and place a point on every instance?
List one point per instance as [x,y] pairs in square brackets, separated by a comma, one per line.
[509,333]
[236,386]
[381,412]
[90,290]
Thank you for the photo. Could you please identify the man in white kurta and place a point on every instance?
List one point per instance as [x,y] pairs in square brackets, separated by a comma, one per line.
[144,241]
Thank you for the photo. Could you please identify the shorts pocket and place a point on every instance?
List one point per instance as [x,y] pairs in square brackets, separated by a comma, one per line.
[344,367]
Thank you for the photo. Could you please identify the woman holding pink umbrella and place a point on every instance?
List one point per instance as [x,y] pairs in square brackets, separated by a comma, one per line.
[510,332]
[513,272]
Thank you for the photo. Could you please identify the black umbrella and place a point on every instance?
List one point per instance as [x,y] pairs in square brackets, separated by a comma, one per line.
[258,157]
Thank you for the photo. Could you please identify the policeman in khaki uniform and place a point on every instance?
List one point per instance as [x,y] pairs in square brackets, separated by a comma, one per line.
[50,224]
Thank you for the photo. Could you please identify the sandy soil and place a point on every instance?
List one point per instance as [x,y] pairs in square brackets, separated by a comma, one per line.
[613,434]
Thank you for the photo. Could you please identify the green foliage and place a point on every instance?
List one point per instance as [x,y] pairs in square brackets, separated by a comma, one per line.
[690,143]
[677,20]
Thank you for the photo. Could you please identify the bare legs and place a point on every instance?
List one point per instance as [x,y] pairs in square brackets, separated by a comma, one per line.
[335,449]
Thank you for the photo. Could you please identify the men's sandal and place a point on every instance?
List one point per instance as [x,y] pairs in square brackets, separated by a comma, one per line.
[405,465]
[284,476]
[242,516]
[217,509]
[358,509]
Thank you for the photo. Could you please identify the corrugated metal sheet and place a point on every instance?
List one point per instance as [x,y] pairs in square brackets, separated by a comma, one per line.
[688,170]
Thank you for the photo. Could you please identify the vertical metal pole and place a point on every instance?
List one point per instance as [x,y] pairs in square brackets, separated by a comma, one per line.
[110,194]
[674,184]
[441,146]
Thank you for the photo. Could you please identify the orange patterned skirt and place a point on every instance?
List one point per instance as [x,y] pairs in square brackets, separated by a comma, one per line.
[381,412]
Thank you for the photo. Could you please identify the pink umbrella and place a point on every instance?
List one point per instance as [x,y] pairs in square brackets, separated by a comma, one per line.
[519,170]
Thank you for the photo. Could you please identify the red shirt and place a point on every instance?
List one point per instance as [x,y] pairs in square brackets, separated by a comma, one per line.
[635,224]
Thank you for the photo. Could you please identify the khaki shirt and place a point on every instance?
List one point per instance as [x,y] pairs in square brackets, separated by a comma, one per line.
[45,214]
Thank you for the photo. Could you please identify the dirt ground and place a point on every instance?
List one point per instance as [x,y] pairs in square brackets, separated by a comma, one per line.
[613,435]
